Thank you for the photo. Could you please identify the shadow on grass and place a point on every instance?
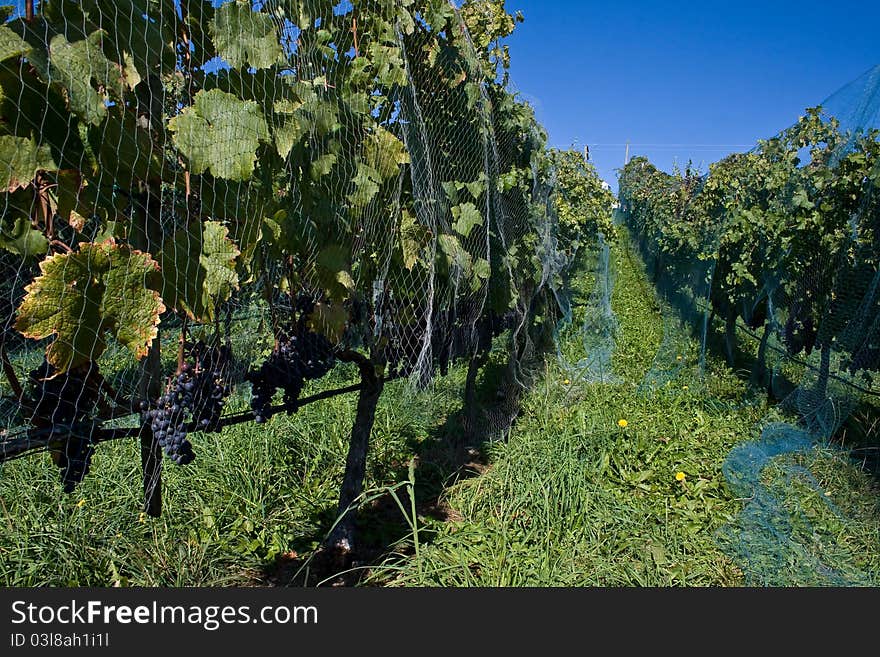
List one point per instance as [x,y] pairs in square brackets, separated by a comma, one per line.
[450,454]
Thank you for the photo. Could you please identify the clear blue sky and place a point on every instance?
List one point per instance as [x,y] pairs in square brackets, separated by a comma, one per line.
[696,76]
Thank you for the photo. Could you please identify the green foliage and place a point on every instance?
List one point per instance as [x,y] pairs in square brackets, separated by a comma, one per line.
[11,45]
[781,224]
[378,165]
[20,160]
[79,68]
[244,37]
[134,132]
[220,133]
[23,240]
[581,201]
[198,265]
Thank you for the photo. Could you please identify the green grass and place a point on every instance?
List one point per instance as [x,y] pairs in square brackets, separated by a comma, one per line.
[253,494]
[573,499]
[570,498]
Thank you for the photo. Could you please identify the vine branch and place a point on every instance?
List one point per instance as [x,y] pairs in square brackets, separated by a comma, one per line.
[39,439]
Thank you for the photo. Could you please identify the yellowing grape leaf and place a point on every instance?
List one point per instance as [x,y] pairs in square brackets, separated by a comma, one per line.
[385,153]
[83,296]
[414,237]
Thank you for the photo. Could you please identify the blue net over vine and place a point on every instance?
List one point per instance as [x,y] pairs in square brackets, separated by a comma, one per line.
[771,261]
[594,321]
[857,105]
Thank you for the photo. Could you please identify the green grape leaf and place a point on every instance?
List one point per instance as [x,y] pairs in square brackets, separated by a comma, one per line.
[289,130]
[466,217]
[220,133]
[802,200]
[126,151]
[456,255]
[199,269]
[481,271]
[451,190]
[476,188]
[23,240]
[332,268]
[11,45]
[20,159]
[287,135]
[75,66]
[82,296]
[322,166]
[366,184]
[245,37]
[385,153]
[388,64]
[144,35]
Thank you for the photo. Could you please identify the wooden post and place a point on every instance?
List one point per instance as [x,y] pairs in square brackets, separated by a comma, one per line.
[342,540]
[150,380]
[151,452]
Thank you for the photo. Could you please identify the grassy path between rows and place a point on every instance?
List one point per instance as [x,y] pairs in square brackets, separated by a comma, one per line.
[576,499]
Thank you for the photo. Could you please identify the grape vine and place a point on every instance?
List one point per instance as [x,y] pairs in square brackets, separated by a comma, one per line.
[300,355]
[378,162]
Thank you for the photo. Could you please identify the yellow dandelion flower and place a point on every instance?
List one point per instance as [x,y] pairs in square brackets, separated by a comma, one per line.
[685,388]
[679,358]
[680,476]
[623,424]
[81,503]
[566,382]
[142,517]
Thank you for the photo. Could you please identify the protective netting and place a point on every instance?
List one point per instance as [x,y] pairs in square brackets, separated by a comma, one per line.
[596,323]
[209,203]
[771,259]
[857,105]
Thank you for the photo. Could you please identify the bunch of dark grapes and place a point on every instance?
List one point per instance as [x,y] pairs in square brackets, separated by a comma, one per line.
[168,419]
[279,371]
[67,399]
[300,355]
[198,391]
[75,461]
[212,388]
